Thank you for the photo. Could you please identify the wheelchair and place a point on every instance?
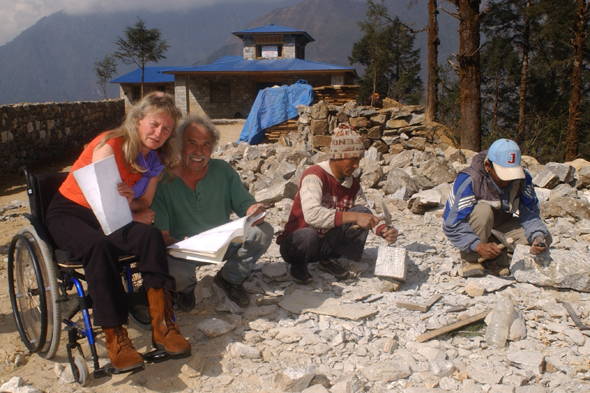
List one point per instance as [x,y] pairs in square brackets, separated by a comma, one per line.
[46,288]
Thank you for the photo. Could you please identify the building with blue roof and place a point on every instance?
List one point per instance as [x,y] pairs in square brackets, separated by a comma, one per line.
[271,55]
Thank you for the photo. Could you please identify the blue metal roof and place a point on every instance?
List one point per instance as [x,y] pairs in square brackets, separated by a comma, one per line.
[273,29]
[238,64]
[151,75]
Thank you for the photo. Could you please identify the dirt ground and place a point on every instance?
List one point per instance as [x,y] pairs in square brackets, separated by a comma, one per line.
[15,359]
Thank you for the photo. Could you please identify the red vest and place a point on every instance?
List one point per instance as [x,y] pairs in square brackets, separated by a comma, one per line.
[334,196]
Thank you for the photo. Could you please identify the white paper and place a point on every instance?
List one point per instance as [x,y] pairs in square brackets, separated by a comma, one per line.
[211,245]
[209,242]
[98,182]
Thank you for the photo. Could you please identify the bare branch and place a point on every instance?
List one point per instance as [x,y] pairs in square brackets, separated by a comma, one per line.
[454,65]
[453,14]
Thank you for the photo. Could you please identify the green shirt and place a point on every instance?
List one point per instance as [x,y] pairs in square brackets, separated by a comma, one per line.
[185,212]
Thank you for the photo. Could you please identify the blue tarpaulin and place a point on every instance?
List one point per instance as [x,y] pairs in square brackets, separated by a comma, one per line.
[273,106]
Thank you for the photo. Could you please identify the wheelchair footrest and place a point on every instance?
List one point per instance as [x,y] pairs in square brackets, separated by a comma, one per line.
[155,356]
[101,373]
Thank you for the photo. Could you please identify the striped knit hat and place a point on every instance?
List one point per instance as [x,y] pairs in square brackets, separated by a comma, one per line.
[346,143]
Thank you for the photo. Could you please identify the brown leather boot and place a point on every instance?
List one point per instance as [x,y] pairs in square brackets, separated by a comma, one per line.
[124,357]
[165,333]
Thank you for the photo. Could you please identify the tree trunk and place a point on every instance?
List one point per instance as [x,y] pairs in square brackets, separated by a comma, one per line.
[573,124]
[524,74]
[469,74]
[142,81]
[433,80]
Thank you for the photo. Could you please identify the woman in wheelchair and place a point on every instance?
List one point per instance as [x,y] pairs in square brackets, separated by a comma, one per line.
[141,146]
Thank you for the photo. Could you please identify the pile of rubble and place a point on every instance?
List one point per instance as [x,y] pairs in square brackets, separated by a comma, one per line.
[529,342]
[366,335]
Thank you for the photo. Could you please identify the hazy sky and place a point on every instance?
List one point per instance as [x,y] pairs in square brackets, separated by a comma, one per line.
[17,15]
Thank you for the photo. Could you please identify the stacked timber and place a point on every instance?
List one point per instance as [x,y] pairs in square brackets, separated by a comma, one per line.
[335,95]
[274,133]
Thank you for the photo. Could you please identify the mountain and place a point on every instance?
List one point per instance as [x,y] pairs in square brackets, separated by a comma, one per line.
[54,59]
[334,26]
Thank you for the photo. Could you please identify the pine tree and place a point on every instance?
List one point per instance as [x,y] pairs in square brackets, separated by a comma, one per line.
[140,46]
[469,72]
[386,50]
[433,77]
[575,101]
[105,69]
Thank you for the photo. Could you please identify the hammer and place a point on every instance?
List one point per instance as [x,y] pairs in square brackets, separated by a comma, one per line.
[505,242]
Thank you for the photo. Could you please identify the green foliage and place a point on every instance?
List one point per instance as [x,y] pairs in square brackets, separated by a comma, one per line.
[105,69]
[448,100]
[550,51]
[140,46]
[386,50]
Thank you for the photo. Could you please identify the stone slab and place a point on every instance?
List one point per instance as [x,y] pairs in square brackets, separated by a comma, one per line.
[300,301]
[391,262]
[555,268]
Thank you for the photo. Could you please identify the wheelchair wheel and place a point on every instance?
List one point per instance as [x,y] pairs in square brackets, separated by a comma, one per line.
[29,257]
[27,292]
[79,367]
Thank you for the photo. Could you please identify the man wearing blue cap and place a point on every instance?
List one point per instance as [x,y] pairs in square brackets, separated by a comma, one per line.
[495,192]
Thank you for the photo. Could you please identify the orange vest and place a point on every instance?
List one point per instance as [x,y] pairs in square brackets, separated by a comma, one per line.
[69,187]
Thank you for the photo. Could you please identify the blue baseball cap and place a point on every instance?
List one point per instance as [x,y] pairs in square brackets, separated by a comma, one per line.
[505,156]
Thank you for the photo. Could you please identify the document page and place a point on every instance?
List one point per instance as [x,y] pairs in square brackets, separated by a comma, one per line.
[209,242]
[213,243]
[98,182]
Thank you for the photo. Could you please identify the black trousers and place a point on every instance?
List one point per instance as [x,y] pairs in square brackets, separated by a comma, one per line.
[306,245]
[74,228]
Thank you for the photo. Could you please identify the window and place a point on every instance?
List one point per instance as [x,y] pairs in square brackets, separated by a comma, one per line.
[269,51]
[219,92]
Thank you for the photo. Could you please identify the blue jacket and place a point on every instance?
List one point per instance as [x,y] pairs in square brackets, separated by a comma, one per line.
[522,201]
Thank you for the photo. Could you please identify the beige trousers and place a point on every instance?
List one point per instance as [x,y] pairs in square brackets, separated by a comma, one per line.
[484,218]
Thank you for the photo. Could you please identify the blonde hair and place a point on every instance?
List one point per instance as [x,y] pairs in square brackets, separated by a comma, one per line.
[153,102]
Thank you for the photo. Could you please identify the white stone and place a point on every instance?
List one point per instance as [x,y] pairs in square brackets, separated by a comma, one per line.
[239,350]
[499,321]
[386,371]
[317,388]
[391,262]
[304,301]
[482,372]
[490,283]
[555,268]
[214,327]
[342,387]
[189,371]
[531,389]
[294,379]
[63,373]
[501,389]
[575,335]
[528,360]
[12,384]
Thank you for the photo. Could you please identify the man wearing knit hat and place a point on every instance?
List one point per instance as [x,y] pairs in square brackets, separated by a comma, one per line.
[328,218]
[495,192]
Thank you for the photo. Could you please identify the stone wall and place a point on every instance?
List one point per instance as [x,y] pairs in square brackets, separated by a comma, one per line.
[390,129]
[240,94]
[32,134]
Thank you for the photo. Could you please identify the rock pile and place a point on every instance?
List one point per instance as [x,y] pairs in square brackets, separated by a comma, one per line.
[353,336]
[539,348]
[391,129]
